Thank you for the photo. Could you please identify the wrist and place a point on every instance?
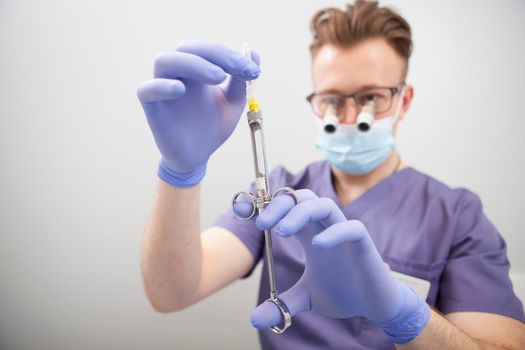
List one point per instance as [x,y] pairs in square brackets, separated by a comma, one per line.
[180,179]
[409,322]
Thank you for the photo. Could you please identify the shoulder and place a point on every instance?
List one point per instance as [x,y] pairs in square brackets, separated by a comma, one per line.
[461,210]
[437,192]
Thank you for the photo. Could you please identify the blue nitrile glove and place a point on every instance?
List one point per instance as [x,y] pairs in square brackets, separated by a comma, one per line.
[193,105]
[344,274]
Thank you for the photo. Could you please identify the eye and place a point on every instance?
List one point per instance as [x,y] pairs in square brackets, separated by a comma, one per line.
[376,95]
[334,100]
[321,102]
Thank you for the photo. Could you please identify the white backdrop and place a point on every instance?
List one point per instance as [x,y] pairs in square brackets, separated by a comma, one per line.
[79,162]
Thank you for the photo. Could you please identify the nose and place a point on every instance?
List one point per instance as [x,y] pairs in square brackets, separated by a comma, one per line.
[349,112]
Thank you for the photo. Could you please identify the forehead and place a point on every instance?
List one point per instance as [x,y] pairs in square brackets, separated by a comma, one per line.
[370,63]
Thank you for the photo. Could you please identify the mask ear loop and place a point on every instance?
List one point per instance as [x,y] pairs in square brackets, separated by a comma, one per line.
[396,117]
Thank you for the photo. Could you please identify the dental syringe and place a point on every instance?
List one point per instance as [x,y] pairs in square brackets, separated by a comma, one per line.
[262,187]
[263,195]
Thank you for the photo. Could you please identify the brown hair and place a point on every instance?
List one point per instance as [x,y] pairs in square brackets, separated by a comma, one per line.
[362,20]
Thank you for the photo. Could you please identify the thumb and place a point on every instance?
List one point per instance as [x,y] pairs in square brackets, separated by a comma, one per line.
[243,205]
[268,314]
[234,90]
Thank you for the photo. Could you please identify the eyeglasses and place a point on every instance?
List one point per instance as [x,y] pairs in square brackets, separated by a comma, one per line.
[382,96]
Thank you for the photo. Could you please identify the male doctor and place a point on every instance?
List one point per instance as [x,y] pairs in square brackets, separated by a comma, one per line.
[362,212]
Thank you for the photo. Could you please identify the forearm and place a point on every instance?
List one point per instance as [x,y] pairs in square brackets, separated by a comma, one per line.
[171,250]
[439,333]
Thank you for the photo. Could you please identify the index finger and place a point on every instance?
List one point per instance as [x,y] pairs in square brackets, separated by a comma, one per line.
[231,61]
[279,207]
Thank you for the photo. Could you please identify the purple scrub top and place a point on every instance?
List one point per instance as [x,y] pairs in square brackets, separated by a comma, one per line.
[420,226]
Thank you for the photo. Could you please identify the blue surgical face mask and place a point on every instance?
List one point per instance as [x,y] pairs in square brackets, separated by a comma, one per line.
[356,152]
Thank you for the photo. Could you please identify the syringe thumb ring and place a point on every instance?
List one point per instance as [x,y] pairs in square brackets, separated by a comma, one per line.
[287,317]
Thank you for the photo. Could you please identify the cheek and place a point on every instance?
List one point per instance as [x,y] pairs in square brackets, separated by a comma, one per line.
[390,112]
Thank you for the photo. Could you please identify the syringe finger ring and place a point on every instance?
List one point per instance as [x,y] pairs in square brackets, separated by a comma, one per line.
[287,190]
[240,206]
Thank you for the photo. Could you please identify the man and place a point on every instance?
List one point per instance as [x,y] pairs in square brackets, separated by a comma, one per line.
[359,209]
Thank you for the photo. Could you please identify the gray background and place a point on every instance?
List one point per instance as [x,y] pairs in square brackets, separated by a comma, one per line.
[79,162]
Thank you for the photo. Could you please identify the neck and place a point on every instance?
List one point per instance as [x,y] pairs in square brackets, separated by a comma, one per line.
[349,187]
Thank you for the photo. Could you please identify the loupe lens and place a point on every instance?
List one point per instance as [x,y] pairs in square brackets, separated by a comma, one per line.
[330,120]
[329,128]
[363,127]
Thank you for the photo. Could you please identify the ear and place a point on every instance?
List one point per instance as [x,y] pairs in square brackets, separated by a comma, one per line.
[407,101]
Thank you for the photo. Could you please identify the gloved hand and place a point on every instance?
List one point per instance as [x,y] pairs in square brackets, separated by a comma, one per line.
[344,276]
[193,105]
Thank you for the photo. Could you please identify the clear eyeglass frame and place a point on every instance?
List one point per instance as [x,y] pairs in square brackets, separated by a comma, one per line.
[383,97]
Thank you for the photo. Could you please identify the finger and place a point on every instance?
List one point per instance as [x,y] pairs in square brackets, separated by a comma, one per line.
[279,207]
[267,315]
[181,65]
[256,58]
[243,206]
[234,88]
[231,61]
[352,231]
[323,210]
[160,90]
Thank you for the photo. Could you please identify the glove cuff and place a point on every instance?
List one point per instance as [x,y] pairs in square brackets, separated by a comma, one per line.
[182,180]
[409,322]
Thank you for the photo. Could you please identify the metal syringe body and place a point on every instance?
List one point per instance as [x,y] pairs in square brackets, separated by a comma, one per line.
[259,157]
[263,195]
